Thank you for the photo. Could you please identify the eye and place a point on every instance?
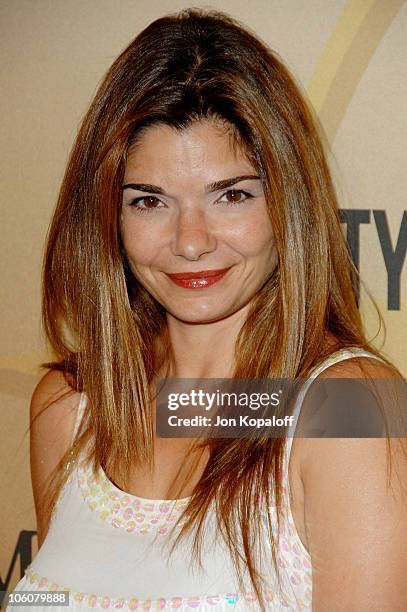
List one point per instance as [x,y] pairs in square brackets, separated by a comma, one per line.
[145,204]
[234,196]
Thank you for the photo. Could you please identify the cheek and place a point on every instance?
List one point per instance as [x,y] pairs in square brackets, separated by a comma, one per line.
[253,236]
[139,243]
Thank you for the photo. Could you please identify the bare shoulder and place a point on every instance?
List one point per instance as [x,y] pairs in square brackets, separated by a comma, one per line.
[53,409]
[362,368]
[53,406]
[355,515]
[358,367]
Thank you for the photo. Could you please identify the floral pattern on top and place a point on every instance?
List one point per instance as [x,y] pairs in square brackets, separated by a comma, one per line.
[205,602]
[125,511]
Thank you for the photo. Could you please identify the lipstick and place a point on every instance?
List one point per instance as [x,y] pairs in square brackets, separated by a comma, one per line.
[198,280]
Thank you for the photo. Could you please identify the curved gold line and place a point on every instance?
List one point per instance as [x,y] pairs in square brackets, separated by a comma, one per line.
[346,57]
[335,49]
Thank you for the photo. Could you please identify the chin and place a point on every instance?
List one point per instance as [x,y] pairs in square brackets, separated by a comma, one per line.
[197,316]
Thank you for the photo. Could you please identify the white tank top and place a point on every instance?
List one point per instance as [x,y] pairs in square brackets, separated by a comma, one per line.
[108,549]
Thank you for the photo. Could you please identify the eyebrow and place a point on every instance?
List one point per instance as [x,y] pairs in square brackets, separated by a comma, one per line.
[210,188]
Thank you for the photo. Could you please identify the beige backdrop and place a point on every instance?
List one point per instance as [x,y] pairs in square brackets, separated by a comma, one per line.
[351,58]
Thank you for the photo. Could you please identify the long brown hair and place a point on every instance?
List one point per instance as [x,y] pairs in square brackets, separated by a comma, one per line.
[103,326]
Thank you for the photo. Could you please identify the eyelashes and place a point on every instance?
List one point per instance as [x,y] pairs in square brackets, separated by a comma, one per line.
[135,204]
[148,204]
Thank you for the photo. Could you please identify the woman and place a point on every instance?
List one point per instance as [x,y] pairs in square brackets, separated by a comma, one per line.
[197,235]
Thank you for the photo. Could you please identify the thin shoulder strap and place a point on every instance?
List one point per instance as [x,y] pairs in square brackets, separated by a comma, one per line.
[340,355]
[79,414]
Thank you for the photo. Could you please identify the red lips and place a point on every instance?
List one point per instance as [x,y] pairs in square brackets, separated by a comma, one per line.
[201,274]
[198,280]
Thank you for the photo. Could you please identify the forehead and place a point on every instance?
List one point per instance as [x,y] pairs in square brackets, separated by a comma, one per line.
[204,147]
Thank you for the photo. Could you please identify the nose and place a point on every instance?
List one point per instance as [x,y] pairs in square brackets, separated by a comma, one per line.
[192,236]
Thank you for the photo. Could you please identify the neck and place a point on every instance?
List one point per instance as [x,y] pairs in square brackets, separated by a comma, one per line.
[204,350]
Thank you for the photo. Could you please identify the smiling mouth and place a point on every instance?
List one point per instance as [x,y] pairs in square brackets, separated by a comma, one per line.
[197,280]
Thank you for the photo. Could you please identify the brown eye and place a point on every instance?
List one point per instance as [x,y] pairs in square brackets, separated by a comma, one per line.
[149,201]
[235,196]
[145,203]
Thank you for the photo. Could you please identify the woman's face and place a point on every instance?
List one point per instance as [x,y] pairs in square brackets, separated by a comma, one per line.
[193,203]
